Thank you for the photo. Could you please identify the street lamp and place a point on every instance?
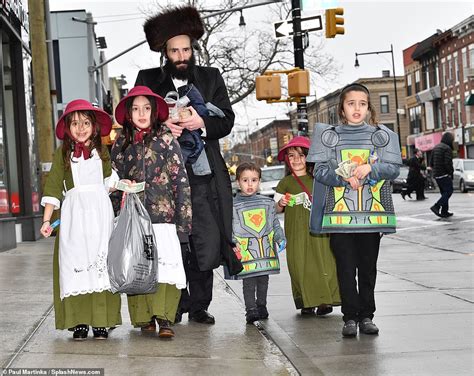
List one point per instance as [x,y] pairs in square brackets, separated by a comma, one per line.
[356,64]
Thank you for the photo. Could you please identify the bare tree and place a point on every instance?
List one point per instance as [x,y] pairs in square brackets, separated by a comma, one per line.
[243,54]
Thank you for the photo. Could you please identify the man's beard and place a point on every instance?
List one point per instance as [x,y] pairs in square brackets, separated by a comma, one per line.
[180,73]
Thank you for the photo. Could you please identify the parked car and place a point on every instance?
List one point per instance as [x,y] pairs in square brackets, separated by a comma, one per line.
[400,182]
[271,176]
[463,177]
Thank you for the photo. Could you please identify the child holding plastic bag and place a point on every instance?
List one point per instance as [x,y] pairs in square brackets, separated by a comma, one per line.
[80,279]
[256,230]
[310,261]
[147,152]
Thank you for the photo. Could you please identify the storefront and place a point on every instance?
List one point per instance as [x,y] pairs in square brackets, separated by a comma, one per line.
[469,142]
[20,216]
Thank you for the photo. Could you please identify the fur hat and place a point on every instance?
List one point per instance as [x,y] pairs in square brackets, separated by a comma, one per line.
[172,22]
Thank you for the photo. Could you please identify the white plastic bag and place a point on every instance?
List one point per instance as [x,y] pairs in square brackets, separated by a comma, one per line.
[133,258]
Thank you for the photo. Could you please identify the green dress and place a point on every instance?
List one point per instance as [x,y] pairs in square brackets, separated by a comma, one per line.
[310,261]
[98,309]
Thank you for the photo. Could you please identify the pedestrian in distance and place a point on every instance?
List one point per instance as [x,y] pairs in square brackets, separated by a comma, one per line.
[352,201]
[442,164]
[258,237]
[173,33]
[146,151]
[415,178]
[310,261]
[81,168]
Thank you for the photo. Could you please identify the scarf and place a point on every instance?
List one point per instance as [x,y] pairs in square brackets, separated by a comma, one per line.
[140,134]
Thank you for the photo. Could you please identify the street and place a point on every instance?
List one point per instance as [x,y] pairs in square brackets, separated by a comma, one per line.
[424,299]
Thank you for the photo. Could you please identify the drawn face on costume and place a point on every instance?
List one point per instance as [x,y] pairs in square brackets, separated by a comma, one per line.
[249,182]
[180,59]
[81,127]
[355,107]
[141,112]
[297,161]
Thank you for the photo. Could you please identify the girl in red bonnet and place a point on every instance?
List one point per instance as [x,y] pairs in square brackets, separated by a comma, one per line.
[78,184]
[310,261]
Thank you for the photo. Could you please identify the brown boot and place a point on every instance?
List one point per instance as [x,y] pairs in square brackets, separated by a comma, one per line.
[150,327]
[165,329]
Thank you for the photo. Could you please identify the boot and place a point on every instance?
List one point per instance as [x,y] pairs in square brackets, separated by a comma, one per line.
[435,209]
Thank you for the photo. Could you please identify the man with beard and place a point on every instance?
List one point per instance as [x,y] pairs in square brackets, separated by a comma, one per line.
[173,33]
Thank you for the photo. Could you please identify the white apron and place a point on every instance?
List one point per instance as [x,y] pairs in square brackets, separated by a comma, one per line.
[170,260]
[86,224]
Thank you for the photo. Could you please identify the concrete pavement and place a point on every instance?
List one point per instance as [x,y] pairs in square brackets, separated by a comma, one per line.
[424,311]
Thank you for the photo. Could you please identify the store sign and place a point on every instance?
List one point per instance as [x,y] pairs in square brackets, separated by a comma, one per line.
[4,201]
[428,142]
[15,202]
[16,9]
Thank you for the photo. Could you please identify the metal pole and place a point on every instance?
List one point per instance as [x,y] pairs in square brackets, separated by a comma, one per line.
[396,96]
[302,109]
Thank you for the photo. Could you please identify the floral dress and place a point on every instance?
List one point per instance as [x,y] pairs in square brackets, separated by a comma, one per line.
[157,161]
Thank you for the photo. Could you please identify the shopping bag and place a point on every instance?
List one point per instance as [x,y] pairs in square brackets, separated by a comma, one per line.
[133,258]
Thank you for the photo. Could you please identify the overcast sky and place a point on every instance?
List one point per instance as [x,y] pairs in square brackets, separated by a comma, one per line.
[369,25]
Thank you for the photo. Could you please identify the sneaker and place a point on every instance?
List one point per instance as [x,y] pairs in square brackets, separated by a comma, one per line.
[349,329]
[262,312]
[80,332]
[323,309]
[252,315]
[100,333]
[446,215]
[307,311]
[367,326]
[435,209]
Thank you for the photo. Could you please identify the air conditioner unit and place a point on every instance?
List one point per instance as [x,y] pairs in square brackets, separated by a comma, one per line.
[469,72]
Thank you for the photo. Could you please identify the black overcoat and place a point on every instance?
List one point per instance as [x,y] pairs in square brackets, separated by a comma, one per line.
[211,197]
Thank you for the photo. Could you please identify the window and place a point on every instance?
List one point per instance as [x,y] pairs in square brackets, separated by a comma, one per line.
[464,64]
[456,67]
[415,120]
[426,77]
[417,81]
[436,74]
[445,74]
[390,126]
[408,84]
[384,109]
[471,57]
[459,114]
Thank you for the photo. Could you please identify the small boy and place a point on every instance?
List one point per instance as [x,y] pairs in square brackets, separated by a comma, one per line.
[257,235]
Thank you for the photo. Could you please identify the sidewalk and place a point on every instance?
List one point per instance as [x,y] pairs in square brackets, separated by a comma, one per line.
[28,338]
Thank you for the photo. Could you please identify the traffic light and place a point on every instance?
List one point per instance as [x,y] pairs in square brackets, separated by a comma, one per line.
[298,84]
[285,139]
[332,22]
[268,87]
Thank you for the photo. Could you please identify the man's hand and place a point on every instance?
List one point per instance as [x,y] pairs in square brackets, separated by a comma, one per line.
[175,128]
[192,122]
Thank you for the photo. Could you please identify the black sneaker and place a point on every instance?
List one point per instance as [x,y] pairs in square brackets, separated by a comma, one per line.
[80,332]
[367,326]
[446,215]
[262,312]
[349,329]
[252,315]
[435,209]
[100,333]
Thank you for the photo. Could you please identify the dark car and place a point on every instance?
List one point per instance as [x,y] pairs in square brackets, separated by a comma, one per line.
[400,181]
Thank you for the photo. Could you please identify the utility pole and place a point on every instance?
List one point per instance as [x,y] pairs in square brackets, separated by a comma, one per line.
[302,108]
[41,87]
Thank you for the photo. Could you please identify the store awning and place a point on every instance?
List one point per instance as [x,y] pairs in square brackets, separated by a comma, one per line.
[470,100]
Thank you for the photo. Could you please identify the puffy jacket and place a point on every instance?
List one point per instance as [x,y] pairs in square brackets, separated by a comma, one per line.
[442,157]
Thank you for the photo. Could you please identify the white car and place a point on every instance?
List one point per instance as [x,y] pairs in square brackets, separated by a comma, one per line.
[271,176]
[463,177]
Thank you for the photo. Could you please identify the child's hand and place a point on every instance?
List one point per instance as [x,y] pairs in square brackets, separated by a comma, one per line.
[360,172]
[46,229]
[284,200]
[236,250]
[353,181]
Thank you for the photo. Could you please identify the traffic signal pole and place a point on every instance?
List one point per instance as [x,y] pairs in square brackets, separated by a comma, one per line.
[302,108]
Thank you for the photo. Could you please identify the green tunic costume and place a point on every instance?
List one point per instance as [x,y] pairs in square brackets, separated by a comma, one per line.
[310,261]
[98,309]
